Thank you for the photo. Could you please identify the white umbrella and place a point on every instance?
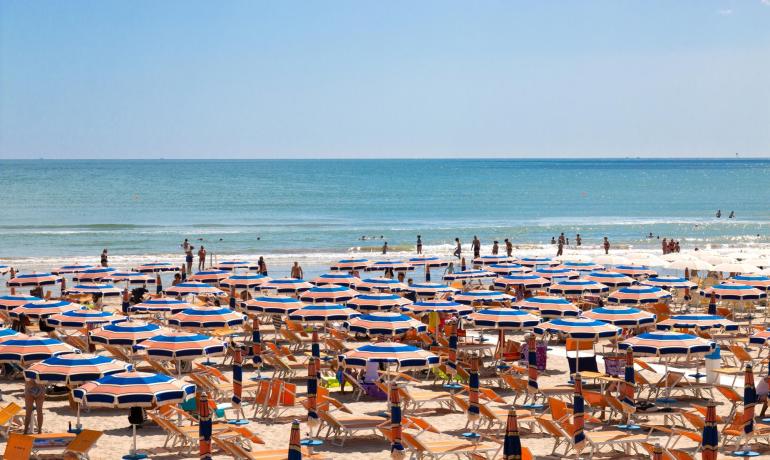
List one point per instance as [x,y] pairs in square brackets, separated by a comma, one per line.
[714,258]
[645,258]
[736,267]
[692,264]
[612,259]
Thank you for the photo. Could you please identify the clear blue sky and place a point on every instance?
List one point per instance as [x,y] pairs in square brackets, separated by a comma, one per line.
[108,79]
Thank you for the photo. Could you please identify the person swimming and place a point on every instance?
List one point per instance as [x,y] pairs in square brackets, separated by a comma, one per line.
[719,213]
[732,214]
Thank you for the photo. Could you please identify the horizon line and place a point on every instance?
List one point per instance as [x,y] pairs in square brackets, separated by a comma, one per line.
[412,158]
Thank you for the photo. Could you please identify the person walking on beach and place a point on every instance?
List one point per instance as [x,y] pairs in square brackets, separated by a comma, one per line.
[508,248]
[201,258]
[560,248]
[419,244]
[188,258]
[476,246]
[578,240]
[296,271]
[606,245]
[385,248]
[458,248]
[495,248]
[262,266]
[104,260]
[34,397]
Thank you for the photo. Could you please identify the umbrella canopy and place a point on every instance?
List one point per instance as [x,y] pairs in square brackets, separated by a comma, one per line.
[282,305]
[481,297]
[133,389]
[74,368]
[669,282]
[702,322]
[9,302]
[129,277]
[323,312]
[406,357]
[231,265]
[577,287]
[624,317]
[757,281]
[378,302]
[469,275]
[395,265]
[181,346]
[44,308]
[690,263]
[381,284]
[532,261]
[6,268]
[549,306]
[79,319]
[209,276]
[761,337]
[508,268]
[244,281]
[431,289]
[578,328]
[340,279]
[156,267]
[206,318]
[428,261]
[734,291]
[95,288]
[581,266]
[492,260]
[612,279]
[125,333]
[503,318]
[193,288]
[556,272]
[384,323]
[7,334]
[161,305]
[662,343]
[612,259]
[73,268]
[735,267]
[636,295]
[440,306]
[635,270]
[33,279]
[26,350]
[93,274]
[528,281]
[350,264]
[286,285]
[328,293]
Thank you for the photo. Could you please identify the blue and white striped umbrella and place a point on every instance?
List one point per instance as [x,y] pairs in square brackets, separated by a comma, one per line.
[78,319]
[702,322]
[579,328]
[395,265]
[492,260]
[340,279]
[757,281]
[552,273]
[181,346]
[481,297]
[156,267]
[527,281]
[33,279]
[533,261]
[194,288]
[625,317]
[74,369]
[210,276]
[281,305]
[7,268]
[581,266]
[133,389]
[7,334]
[440,306]
[406,357]
[95,288]
[734,291]
[508,268]
[231,265]
[244,281]
[503,318]
[384,323]
[91,275]
[350,264]
[161,305]
[429,261]
[128,277]
[125,333]
[286,285]
[328,293]
[378,302]
[608,278]
[206,318]
[323,312]
[74,268]
[469,275]
[577,287]
[25,350]
[45,308]
[9,302]
[636,271]
[660,343]
[636,295]
[431,289]
[381,285]
[549,306]
[669,282]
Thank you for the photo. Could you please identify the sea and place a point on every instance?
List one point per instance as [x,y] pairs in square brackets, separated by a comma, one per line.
[318,211]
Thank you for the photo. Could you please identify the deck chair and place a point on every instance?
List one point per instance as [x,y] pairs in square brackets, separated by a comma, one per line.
[358,389]
[80,446]
[732,397]
[238,452]
[343,427]
[437,449]
[10,418]
[19,446]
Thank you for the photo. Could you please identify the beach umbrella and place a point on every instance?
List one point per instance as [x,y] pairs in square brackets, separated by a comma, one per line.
[7,268]
[481,297]
[44,308]
[157,267]
[734,291]
[91,275]
[161,305]
[532,387]
[577,287]
[205,426]
[26,350]
[533,261]
[181,346]
[206,318]
[340,279]
[323,312]
[194,288]
[231,265]
[503,318]
[715,258]
[281,305]
[133,390]
[735,267]
[635,270]
[244,281]
[286,285]
[9,302]
[378,302]
[695,321]
[381,284]
[749,401]
[669,282]
[106,290]
[430,289]
[585,266]
[628,387]
[512,441]
[405,357]
[128,278]
[492,260]
[33,279]
[549,306]
[636,295]
[578,414]
[469,275]
[79,319]
[209,276]
[710,438]
[473,390]
[384,323]
[125,333]
[396,448]
[757,281]
[7,334]
[428,261]
[328,293]
[74,368]
[295,449]
[452,355]
[612,279]
[646,258]
[508,268]
[689,263]
[624,317]
[440,306]
[73,268]
[527,281]
[312,393]
[256,344]
[761,337]
[551,273]
[578,328]
[395,265]
[612,259]
[350,264]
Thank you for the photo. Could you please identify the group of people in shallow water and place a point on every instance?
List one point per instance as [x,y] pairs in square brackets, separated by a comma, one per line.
[564,241]
[719,214]
[669,246]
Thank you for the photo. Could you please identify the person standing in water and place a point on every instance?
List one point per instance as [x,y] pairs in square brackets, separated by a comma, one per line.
[188,258]
[385,248]
[606,245]
[104,260]
[732,214]
[419,244]
[476,246]
[185,244]
[495,248]
[560,248]
[508,248]
[201,258]
[458,248]
[296,271]
[578,239]
[719,213]
[262,266]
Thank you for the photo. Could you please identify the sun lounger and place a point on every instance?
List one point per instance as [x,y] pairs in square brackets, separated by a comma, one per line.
[80,446]
[437,449]
[10,418]
[238,452]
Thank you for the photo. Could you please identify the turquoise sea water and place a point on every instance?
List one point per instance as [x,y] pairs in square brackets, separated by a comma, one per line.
[76,208]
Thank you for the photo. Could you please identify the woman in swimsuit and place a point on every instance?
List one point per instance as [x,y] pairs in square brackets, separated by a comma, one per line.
[34,396]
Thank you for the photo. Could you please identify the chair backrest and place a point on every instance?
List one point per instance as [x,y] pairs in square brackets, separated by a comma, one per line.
[413,442]
[526,454]
[741,354]
[729,393]
[574,345]
[488,393]
[289,394]
[276,391]
[550,427]
[248,434]
[673,378]
[212,371]
[640,379]
[461,403]
[420,423]
[681,455]
[593,398]
[694,419]
[7,412]
[559,409]
[643,365]
[19,446]
[83,442]
[263,392]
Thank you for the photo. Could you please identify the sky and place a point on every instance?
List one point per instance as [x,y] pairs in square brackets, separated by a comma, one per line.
[278,79]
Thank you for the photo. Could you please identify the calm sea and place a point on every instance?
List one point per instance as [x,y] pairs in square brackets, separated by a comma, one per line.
[75,208]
